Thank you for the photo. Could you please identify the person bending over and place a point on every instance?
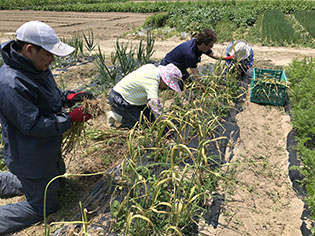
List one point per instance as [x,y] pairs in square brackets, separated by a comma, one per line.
[138,92]
[188,54]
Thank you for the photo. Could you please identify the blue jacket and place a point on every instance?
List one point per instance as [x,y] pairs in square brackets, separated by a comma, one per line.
[249,61]
[31,115]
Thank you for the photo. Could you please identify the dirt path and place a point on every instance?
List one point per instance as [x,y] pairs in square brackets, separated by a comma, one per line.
[259,199]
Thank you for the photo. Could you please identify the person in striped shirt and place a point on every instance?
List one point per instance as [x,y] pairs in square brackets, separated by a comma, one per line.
[138,91]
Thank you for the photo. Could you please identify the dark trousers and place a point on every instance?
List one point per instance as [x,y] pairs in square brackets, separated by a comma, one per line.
[130,113]
[22,214]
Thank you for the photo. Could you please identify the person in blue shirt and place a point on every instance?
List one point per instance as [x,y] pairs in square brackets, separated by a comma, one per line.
[188,54]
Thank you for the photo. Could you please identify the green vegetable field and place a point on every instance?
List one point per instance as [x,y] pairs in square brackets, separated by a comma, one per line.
[291,22]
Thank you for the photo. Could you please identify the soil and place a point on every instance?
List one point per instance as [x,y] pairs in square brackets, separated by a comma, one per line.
[260,199]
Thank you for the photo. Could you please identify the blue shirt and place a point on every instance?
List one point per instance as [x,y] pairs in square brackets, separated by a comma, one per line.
[186,55]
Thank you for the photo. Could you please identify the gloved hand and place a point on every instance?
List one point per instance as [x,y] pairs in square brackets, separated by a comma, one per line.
[79,97]
[229,58]
[78,115]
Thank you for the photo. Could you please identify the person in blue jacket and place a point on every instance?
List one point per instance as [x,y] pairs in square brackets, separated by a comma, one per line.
[188,54]
[32,123]
[243,56]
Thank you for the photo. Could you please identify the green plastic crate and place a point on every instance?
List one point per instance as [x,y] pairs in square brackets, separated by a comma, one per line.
[265,92]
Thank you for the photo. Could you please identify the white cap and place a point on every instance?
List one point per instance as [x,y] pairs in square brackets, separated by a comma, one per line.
[242,50]
[41,34]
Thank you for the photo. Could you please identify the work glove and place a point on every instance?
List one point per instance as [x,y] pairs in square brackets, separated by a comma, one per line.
[229,58]
[78,116]
[79,97]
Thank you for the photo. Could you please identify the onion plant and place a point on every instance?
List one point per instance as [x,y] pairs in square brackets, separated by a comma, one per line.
[167,177]
[107,75]
[145,51]
[124,60]
[77,42]
[89,41]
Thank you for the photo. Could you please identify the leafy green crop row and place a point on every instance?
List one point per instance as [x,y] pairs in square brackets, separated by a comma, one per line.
[302,78]
[276,27]
[306,18]
[285,6]
[230,19]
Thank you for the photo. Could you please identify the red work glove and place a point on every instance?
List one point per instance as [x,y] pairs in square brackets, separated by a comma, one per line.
[78,115]
[78,97]
[229,58]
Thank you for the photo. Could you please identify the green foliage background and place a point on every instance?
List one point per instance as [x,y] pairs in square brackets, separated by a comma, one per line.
[230,19]
[302,95]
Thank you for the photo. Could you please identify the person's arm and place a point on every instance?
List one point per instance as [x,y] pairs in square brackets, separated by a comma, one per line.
[219,57]
[26,117]
[19,106]
[156,107]
[195,73]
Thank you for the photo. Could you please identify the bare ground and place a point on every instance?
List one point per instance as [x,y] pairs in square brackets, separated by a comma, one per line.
[259,197]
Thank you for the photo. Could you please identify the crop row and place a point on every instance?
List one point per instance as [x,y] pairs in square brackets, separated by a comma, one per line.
[302,78]
[165,182]
[285,6]
[276,28]
[230,19]
[304,17]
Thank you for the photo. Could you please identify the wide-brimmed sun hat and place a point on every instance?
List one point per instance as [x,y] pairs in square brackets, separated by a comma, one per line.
[241,50]
[171,75]
[41,34]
